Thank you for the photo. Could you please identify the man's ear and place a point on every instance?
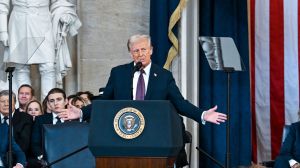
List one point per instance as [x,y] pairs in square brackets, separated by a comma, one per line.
[151,50]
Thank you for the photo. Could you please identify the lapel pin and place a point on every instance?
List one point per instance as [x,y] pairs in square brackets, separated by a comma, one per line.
[155,74]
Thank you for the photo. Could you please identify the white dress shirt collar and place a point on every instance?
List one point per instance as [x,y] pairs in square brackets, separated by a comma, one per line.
[54,119]
[2,117]
[146,79]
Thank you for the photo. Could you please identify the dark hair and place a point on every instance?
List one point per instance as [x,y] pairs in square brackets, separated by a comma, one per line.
[36,101]
[26,85]
[71,96]
[57,90]
[89,94]
[44,104]
[77,98]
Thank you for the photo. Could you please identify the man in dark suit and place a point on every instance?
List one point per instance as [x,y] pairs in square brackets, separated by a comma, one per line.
[18,153]
[144,80]
[158,84]
[22,122]
[290,150]
[57,101]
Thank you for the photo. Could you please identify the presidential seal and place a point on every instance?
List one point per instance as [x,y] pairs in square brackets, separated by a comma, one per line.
[129,123]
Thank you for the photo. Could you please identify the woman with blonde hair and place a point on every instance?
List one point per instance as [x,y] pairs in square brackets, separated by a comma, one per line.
[34,108]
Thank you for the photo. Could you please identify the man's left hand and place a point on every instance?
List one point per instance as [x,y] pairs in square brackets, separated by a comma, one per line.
[213,116]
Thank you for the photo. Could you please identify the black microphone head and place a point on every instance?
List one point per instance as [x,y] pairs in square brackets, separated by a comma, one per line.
[138,66]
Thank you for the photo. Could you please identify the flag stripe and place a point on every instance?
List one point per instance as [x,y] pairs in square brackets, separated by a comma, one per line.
[276,73]
[262,82]
[298,14]
[275,78]
[291,81]
[252,70]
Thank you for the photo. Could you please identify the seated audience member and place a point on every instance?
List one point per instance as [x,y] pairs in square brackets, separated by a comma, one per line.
[78,102]
[86,96]
[25,94]
[21,122]
[34,108]
[57,101]
[289,155]
[70,98]
[17,152]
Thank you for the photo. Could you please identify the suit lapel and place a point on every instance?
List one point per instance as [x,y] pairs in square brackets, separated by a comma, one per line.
[129,85]
[49,118]
[3,137]
[16,117]
[151,82]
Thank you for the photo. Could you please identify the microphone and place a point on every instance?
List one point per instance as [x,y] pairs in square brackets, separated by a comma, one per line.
[137,66]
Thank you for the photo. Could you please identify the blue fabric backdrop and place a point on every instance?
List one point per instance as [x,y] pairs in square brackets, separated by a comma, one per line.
[226,18]
[160,12]
[217,18]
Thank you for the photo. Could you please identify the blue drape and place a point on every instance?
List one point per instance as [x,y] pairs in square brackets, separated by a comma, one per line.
[160,12]
[225,18]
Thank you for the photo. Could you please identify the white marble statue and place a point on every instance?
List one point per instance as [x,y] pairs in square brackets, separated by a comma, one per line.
[36,34]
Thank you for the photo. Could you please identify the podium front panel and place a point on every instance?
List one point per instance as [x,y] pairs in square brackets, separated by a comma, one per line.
[161,136]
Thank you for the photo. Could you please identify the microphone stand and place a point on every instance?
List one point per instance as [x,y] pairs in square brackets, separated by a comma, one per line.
[10,71]
[228,70]
[210,157]
[64,157]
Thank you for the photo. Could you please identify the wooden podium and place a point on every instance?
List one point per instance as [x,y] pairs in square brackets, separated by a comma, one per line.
[135,134]
[134,162]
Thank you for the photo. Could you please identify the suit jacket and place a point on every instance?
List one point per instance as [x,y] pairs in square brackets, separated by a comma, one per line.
[37,138]
[161,86]
[22,125]
[37,133]
[290,148]
[19,154]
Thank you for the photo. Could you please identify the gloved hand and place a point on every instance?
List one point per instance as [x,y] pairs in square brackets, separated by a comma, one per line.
[4,38]
[66,18]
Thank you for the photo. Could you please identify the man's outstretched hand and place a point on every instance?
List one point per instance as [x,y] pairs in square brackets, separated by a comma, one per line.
[213,116]
[70,113]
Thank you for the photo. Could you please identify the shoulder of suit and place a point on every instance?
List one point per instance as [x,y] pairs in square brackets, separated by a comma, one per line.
[23,114]
[44,116]
[158,69]
[128,65]
[122,67]
[296,124]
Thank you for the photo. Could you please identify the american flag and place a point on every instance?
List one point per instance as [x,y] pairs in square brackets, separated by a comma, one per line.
[274,57]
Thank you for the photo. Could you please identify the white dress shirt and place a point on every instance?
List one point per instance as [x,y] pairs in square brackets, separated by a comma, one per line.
[54,119]
[2,118]
[136,77]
